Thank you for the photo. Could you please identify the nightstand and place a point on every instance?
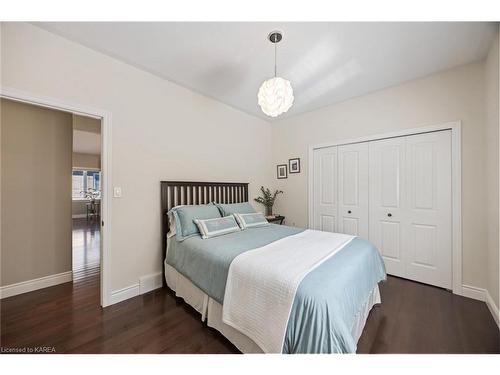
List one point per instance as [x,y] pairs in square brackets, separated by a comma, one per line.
[276,220]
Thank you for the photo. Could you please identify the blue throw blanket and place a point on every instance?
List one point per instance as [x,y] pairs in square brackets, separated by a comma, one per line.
[327,301]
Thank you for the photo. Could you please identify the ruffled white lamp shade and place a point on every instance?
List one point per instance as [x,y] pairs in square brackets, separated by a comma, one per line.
[275,96]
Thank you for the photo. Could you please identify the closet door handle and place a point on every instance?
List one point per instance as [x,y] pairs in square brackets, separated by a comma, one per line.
[349,211]
[389,214]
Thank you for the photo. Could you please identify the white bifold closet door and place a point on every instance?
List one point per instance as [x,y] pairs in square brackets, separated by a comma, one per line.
[428,232]
[410,206]
[353,189]
[396,193]
[387,196]
[325,189]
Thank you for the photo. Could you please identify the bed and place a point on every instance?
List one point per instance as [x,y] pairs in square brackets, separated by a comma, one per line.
[271,288]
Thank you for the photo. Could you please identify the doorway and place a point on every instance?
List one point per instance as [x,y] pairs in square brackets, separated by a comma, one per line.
[86,197]
[100,236]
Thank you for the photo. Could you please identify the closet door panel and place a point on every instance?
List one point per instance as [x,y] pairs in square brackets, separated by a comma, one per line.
[428,230]
[387,187]
[353,189]
[325,190]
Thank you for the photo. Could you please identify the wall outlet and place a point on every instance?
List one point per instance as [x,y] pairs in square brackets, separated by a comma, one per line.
[117,192]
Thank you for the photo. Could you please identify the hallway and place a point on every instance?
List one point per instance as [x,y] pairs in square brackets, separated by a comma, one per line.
[86,248]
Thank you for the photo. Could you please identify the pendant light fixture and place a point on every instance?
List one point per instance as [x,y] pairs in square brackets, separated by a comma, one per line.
[275,94]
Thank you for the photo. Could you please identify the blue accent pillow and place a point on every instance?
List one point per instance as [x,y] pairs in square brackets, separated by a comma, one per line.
[217,227]
[251,220]
[185,216]
[235,208]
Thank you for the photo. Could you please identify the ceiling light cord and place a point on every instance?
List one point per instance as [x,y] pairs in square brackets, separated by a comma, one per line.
[275,47]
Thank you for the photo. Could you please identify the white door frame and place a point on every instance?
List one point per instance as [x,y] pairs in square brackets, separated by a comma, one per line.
[456,178]
[105,117]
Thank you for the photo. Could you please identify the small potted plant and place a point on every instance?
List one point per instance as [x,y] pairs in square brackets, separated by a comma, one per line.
[267,199]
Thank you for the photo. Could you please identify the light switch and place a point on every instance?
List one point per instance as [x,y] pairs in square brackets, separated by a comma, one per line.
[117,192]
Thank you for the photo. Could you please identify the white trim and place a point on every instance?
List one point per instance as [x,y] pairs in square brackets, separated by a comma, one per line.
[125,293]
[474,292]
[106,207]
[35,284]
[483,295]
[310,187]
[146,284]
[79,216]
[394,134]
[456,160]
[106,164]
[50,102]
[493,309]
[150,282]
[456,207]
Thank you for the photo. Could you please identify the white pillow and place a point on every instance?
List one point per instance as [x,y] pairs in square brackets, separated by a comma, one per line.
[251,220]
[217,226]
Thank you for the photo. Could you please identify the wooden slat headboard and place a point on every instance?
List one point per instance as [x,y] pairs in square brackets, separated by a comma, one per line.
[175,193]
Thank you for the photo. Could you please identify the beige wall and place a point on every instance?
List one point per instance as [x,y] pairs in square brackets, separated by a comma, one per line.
[86,161]
[36,186]
[161,131]
[492,167]
[456,94]
[86,124]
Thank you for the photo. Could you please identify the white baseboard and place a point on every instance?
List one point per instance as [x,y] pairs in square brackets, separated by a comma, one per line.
[146,284]
[493,309]
[125,293]
[482,294]
[35,284]
[79,216]
[474,292]
[150,282]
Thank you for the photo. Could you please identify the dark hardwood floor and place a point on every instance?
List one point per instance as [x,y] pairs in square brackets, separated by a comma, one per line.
[413,318]
[86,243]
[418,318]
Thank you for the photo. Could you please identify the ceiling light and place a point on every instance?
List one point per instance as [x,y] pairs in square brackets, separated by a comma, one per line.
[275,94]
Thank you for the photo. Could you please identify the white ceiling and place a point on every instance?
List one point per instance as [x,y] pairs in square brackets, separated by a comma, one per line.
[325,62]
[86,142]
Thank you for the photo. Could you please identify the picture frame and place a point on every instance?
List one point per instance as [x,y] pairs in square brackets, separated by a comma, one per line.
[294,165]
[281,171]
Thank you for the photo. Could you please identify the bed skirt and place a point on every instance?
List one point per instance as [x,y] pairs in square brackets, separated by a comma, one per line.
[211,310]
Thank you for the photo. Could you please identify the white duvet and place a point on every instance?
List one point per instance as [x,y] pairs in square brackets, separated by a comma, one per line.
[261,284]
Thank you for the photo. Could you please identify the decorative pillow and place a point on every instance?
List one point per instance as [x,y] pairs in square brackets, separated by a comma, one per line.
[171,224]
[235,208]
[217,227]
[251,220]
[184,217]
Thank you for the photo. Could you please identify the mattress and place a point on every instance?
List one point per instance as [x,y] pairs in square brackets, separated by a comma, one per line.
[211,311]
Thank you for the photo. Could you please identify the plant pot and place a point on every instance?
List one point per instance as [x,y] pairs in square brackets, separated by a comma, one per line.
[269,210]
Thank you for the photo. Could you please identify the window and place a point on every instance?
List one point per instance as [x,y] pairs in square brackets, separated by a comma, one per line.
[84,180]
